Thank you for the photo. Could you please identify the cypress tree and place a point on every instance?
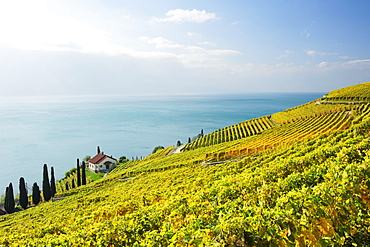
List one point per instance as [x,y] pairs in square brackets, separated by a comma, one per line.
[83,173]
[53,188]
[189,140]
[6,201]
[46,184]
[9,204]
[73,183]
[78,173]
[36,198]
[23,198]
[98,150]
[67,186]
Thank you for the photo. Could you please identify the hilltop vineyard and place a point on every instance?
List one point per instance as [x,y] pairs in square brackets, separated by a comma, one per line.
[359,92]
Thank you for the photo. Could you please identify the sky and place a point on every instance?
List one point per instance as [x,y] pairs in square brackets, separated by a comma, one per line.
[91,47]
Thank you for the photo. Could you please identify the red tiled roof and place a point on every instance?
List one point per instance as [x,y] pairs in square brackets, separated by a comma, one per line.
[99,158]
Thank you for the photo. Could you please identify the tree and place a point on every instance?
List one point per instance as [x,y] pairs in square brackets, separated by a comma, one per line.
[83,168]
[178,144]
[9,203]
[78,173]
[157,148]
[67,186]
[6,202]
[87,157]
[189,140]
[201,133]
[73,183]
[36,197]
[68,173]
[98,150]
[46,184]
[23,198]
[122,159]
[53,189]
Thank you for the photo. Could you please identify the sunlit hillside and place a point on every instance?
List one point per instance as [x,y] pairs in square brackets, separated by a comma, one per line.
[296,178]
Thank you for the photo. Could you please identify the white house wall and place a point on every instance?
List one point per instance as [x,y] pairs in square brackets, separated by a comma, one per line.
[100,166]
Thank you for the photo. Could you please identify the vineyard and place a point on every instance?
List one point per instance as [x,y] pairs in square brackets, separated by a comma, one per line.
[287,133]
[234,132]
[313,109]
[295,178]
[359,92]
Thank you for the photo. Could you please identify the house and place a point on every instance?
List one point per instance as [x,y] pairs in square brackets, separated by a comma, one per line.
[102,163]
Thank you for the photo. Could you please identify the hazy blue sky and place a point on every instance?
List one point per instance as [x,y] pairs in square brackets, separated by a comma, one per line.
[176,47]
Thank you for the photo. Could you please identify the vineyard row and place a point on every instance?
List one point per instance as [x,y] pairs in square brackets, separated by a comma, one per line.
[233,132]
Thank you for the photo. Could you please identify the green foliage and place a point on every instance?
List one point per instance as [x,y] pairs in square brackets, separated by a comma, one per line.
[178,144]
[87,158]
[122,159]
[352,93]
[79,173]
[9,203]
[309,110]
[23,197]
[234,132]
[83,170]
[53,189]
[46,190]
[93,176]
[68,173]
[36,197]
[157,148]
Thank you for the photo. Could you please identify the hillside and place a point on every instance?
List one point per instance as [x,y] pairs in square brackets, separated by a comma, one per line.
[296,178]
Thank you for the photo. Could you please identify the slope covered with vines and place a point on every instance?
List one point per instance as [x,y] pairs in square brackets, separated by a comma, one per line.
[359,92]
[310,189]
[233,132]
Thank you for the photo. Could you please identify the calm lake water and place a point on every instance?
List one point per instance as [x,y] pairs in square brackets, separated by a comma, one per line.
[58,130]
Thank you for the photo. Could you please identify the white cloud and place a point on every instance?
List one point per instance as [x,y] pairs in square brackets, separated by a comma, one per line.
[191,34]
[354,64]
[285,54]
[182,15]
[43,25]
[306,33]
[284,65]
[207,43]
[322,65]
[358,64]
[313,53]
[190,55]
[160,42]
[40,25]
